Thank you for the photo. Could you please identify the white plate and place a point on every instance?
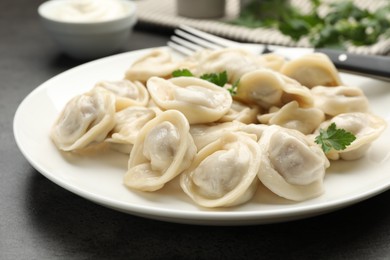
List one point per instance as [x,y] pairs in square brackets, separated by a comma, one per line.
[99,177]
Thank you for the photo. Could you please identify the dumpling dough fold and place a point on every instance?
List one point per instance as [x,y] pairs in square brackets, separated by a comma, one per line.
[291,165]
[315,69]
[128,123]
[158,62]
[224,172]
[86,119]
[199,100]
[267,88]
[127,93]
[291,116]
[163,149]
[366,127]
[340,99]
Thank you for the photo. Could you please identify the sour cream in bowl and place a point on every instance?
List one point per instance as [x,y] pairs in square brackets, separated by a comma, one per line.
[87,29]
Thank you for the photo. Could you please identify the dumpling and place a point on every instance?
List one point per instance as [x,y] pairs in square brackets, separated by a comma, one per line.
[365,126]
[127,93]
[291,164]
[241,112]
[158,62]
[268,88]
[291,116]
[235,61]
[199,100]
[129,123]
[86,119]
[163,149]
[224,172]
[272,61]
[191,62]
[340,99]
[312,70]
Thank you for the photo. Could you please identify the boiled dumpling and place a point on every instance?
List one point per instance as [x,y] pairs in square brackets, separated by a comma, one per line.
[163,149]
[236,62]
[224,172]
[127,93]
[129,123]
[291,116]
[312,70]
[191,62]
[268,88]
[158,62]
[272,61]
[199,100]
[365,126]
[291,164]
[86,119]
[340,99]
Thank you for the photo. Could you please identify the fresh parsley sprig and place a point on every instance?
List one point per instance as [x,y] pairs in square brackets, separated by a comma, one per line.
[182,73]
[219,79]
[334,138]
[345,23]
[233,88]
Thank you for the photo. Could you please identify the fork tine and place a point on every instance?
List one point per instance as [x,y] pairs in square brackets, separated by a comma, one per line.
[209,37]
[200,41]
[180,48]
[188,40]
[186,43]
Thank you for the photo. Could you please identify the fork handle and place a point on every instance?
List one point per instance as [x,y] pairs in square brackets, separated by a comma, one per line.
[364,64]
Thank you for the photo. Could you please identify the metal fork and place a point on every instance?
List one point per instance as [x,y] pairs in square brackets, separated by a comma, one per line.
[188,40]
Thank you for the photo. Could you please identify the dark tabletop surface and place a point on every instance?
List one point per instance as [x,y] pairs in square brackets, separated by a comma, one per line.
[40,220]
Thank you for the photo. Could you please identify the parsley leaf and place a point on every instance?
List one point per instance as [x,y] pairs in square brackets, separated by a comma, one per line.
[218,79]
[233,88]
[343,24]
[182,73]
[334,138]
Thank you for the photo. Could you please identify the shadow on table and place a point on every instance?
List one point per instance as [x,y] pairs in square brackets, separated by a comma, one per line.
[62,62]
[71,226]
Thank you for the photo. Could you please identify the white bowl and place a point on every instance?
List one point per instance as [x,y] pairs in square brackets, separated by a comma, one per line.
[88,39]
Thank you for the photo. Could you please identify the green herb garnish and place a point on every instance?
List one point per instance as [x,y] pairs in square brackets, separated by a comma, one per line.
[219,79]
[334,138]
[343,24]
[233,88]
[182,73]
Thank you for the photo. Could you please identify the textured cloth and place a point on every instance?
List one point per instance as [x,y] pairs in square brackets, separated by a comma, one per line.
[163,13]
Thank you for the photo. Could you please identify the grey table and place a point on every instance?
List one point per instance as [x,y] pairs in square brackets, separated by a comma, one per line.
[40,220]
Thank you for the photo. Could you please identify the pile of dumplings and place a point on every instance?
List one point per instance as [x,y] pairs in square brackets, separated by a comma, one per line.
[221,146]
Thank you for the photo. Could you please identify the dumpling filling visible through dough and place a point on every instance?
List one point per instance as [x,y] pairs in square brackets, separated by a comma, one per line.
[292,166]
[217,174]
[160,146]
[294,160]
